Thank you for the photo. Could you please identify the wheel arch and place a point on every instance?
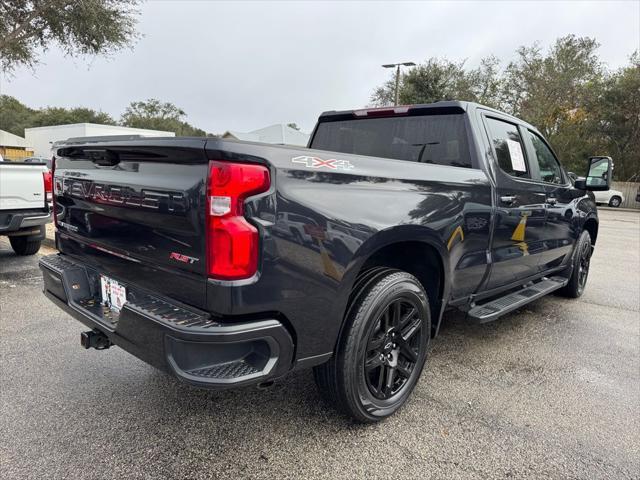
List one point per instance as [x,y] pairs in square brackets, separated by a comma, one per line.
[398,248]
[591,226]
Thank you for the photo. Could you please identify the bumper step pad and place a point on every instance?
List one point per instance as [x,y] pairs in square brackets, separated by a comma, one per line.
[230,370]
[493,309]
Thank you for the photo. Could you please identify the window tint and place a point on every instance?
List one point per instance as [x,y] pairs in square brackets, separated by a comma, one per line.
[509,148]
[549,167]
[438,139]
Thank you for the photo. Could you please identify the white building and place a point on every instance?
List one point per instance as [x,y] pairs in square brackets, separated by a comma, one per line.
[41,138]
[278,133]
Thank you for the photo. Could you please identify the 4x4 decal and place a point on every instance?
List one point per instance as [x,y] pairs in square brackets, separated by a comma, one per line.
[316,162]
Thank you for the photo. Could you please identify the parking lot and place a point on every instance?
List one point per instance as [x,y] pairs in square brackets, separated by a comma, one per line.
[550,391]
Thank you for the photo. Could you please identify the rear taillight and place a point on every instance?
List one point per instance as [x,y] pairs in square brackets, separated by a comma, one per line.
[48,190]
[232,242]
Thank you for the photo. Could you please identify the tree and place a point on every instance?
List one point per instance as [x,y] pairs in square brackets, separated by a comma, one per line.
[550,91]
[61,116]
[612,111]
[158,115]
[78,27]
[14,115]
[441,79]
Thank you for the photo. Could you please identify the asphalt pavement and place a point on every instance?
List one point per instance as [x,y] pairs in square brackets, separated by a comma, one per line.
[549,391]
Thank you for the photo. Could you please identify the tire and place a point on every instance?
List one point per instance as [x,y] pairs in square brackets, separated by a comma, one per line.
[615,201]
[580,270]
[24,246]
[382,349]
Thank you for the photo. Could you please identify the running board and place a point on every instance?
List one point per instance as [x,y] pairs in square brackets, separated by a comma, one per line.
[490,311]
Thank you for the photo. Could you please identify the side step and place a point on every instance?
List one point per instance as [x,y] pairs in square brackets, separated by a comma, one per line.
[496,308]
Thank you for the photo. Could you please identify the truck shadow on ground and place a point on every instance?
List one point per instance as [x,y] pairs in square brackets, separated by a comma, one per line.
[294,399]
[154,416]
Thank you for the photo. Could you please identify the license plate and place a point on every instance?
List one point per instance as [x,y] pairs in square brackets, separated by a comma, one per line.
[114,294]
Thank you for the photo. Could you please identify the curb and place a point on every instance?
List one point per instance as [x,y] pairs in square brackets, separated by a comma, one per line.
[618,209]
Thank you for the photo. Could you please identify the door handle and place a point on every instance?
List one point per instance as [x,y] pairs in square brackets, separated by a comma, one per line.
[508,199]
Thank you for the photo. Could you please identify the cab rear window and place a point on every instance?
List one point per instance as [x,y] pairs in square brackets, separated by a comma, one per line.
[436,139]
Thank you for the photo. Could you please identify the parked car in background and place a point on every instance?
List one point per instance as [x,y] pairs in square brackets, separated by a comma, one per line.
[613,198]
[47,161]
[25,197]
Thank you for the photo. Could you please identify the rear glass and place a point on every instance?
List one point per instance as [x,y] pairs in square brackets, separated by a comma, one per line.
[436,139]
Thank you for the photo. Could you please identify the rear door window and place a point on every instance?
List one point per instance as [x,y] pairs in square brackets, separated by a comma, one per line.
[507,143]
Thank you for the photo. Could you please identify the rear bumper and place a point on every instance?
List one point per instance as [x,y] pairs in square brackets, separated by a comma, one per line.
[16,220]
[197,348]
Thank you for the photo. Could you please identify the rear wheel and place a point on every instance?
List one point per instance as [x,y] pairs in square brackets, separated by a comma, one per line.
[382,350]
[24,246]
[580,271]
[615,202]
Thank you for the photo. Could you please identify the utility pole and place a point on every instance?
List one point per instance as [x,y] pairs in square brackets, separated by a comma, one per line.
[397,67]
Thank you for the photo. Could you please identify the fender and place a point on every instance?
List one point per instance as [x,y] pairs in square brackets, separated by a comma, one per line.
[380,240]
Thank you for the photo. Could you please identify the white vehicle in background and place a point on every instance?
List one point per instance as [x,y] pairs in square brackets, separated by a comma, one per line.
[613,198]
[47,161]
[25,196]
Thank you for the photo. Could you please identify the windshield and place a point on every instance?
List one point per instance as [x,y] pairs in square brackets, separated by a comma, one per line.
[437,139]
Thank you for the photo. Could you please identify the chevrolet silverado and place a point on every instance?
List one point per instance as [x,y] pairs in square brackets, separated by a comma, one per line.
[229,263]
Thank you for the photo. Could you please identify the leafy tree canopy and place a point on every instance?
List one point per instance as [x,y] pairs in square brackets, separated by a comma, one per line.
[78,27]
[158,115]
[152,114]
[14,115]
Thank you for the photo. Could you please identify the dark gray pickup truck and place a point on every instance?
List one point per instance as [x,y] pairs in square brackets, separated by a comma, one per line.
[230,263]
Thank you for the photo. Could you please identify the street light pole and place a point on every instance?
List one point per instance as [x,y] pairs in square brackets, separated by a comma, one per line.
[397,66]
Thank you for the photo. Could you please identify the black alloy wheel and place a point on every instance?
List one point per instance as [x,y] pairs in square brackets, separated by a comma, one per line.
[579,269]
[584,260]
[382,348]
[393,349]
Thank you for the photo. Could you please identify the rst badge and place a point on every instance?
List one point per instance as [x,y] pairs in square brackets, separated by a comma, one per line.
[179,257]
[317,163]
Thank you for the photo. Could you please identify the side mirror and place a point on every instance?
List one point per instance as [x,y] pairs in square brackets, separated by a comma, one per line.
[598,175]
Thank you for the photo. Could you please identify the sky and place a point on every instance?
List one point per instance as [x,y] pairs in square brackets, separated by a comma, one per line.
[245,65]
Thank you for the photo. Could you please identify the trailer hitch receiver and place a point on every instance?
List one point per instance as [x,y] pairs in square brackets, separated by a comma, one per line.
[95,339]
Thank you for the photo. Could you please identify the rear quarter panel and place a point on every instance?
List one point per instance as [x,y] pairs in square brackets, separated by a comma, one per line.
[350,206]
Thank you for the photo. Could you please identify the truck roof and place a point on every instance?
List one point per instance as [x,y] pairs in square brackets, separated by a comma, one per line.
[441,107]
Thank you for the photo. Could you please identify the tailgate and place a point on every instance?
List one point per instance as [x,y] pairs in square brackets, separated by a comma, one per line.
[135,211]
[21,186]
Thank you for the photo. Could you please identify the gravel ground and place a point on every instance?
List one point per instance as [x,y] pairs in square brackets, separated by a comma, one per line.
[550,391]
